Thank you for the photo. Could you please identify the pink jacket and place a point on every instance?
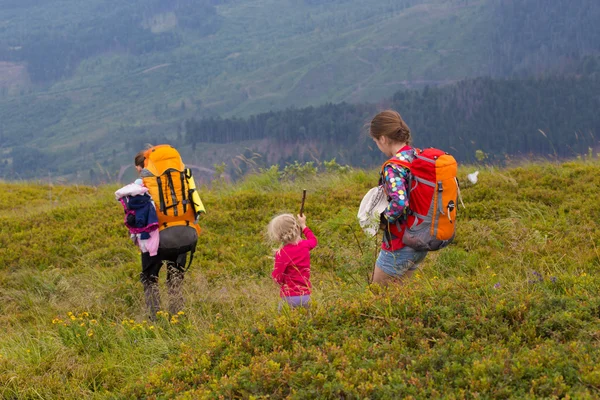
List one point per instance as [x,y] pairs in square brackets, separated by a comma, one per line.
[292,266]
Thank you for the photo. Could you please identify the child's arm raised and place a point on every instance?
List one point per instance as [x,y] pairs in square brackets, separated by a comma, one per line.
[311,240]
[301,221]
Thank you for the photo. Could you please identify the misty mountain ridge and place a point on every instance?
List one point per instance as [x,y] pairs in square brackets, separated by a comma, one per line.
[76,76]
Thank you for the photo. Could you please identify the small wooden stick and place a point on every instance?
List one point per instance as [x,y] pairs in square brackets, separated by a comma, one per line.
[303,199]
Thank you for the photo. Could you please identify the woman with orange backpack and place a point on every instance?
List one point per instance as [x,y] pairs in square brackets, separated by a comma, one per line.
[396,261]
[178,207]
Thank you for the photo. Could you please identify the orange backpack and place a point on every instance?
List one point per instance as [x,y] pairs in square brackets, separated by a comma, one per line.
[172,188]
[433,199]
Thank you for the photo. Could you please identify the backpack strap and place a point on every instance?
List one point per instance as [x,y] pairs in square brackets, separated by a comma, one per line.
[401,163]
[174,201]
[161,197]
[192,251]
[186,175]
[184,268]
[183,199]
[396,161]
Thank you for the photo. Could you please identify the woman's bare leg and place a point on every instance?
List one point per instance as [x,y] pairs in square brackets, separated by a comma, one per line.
[383,279]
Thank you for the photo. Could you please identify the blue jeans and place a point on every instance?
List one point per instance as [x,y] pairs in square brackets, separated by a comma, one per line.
[399,262]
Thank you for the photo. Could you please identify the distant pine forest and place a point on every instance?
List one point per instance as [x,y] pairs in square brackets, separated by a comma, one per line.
[556,117]
[479,119]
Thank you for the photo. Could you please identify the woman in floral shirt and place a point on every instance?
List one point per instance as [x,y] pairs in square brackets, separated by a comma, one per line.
[395,261]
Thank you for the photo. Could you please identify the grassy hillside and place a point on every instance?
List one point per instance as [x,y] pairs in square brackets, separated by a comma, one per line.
[510,310]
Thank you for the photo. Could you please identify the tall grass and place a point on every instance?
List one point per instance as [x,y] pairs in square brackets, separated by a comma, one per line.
[510,310]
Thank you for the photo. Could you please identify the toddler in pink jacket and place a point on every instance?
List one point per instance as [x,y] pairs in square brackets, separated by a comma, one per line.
[291,270]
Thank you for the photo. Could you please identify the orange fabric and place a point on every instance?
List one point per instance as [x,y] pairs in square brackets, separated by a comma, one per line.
[159,160]
[445,226]
[435,211]
[446,169]
[169,219]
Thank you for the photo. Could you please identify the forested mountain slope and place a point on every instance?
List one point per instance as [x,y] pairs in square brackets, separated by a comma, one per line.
[101,75]
[548,117]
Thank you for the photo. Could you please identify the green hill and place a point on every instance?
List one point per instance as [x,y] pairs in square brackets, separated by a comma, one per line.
[97,76]
[504,118]
[509,310]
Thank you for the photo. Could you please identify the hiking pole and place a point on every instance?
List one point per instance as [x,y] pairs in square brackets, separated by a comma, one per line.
[303,199]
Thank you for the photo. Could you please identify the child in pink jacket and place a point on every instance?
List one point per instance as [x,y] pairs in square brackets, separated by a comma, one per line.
[292,261]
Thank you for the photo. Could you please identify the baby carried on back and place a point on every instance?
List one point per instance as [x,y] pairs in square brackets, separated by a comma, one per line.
[140,216]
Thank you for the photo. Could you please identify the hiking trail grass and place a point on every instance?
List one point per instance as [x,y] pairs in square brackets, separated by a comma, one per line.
[509,310]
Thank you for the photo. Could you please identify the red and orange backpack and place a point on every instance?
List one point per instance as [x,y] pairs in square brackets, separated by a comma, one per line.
[433,193]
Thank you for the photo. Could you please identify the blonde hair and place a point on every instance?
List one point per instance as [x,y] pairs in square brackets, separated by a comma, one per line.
[389,123]
[284,229]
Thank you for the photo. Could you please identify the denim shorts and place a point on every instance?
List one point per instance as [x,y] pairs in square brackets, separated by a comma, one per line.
[397,263]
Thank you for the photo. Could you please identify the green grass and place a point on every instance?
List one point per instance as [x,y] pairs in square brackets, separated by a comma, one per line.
[509,310]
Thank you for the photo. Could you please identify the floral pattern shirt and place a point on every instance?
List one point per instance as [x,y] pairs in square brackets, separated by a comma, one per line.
[396,183]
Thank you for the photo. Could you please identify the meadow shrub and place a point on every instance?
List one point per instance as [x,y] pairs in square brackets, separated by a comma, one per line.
[509,310]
